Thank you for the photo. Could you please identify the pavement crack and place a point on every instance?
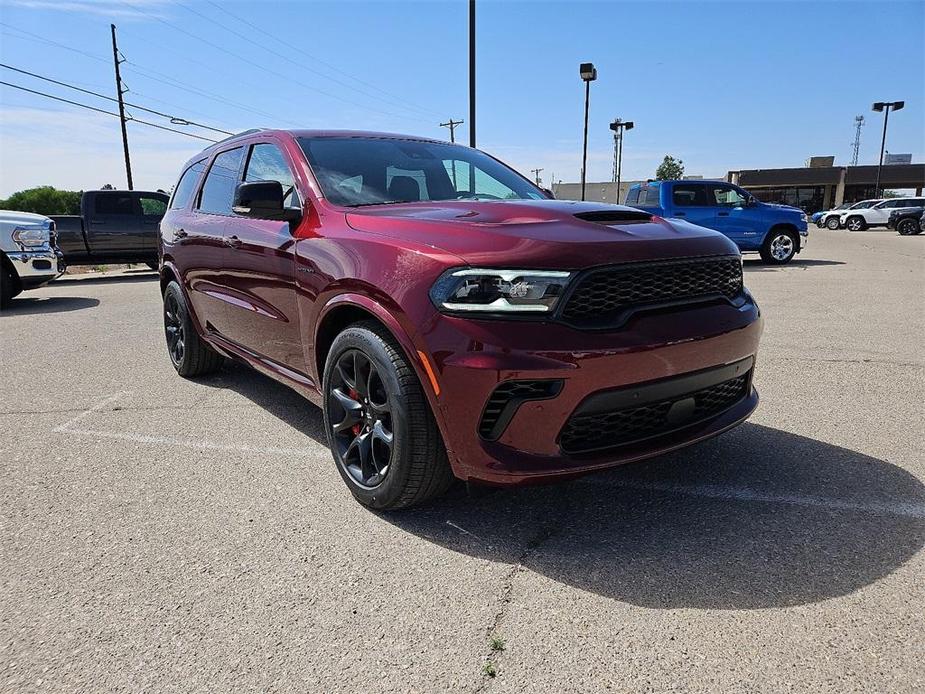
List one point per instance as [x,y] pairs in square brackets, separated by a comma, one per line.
[505,598]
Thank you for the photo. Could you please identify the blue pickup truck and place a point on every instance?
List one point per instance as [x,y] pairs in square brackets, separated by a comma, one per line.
[777,232]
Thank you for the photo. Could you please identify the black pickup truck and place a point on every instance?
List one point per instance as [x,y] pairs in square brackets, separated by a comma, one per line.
[114,226]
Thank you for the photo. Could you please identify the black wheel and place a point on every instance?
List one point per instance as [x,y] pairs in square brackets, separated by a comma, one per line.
[779,247]
[856,224]
[908,227]
[189,355]
[832,222]
[9,287]
[153,266]
[380,428]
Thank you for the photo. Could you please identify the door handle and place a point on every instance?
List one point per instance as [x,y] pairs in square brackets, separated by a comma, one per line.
[680,214]
[98,221]
[233,241]
[722,214]
[180,234]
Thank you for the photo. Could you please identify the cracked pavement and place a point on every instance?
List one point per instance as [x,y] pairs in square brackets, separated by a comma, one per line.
[175,536]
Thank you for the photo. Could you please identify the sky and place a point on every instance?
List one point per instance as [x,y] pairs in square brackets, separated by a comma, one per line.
[720,85]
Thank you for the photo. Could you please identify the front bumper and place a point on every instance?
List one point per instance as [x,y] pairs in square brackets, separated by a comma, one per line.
[474,356]
[38,267]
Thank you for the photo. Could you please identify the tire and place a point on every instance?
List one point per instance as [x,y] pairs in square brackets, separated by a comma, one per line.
[832,223]
[153,266]
[908,227]
[9,287]
[382,434]
[780,246]
[855,224]
[189,355]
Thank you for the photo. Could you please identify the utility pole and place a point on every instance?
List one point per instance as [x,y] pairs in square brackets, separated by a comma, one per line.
[451,124]
[619,126]
[536,174]
[856,145]
[119,93]
[472,73]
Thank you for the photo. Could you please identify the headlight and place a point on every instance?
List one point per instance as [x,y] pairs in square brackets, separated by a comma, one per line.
[31,235]
[803,217]
[499,291]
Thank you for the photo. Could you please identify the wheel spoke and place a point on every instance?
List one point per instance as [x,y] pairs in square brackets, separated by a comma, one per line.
[352,411]
[361,368]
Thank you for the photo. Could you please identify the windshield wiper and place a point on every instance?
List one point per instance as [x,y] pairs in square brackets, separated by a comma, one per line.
[387,202]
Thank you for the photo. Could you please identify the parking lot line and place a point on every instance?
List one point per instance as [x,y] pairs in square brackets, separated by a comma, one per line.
[68,428]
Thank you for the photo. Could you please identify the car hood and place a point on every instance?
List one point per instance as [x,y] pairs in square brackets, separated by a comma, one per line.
[543,234]
[11,217]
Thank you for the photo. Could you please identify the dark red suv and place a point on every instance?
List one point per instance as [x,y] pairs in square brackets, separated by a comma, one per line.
[447,316]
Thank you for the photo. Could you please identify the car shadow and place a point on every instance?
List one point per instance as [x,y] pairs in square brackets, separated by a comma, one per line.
[25,305]
[755,518]
[757,265]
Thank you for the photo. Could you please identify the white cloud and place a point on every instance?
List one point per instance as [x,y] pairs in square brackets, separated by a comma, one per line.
[109,8]
[80,151]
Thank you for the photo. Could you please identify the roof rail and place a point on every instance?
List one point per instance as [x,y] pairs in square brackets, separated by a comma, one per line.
[243,132]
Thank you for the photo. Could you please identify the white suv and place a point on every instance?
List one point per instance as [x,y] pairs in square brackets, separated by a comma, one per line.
[876,216]
[832,218]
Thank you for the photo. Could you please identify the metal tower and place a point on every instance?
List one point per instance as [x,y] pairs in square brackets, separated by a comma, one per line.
[856,145]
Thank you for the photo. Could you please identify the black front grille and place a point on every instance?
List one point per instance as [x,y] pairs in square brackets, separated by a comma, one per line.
[585,432]
[506,398]
[607,296]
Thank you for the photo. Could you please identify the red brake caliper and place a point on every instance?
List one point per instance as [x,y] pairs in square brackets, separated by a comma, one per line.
[358,427]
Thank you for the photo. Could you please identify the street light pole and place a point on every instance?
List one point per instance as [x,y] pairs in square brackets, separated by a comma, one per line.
[884,106]
[588,74]
[472,73]
[619,126]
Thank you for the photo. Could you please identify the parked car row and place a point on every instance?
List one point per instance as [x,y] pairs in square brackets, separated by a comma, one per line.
[867,213]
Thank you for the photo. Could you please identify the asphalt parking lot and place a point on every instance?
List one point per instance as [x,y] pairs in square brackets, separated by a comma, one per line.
[168,535]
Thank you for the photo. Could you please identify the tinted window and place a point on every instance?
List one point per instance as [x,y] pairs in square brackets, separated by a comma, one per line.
[371,171]
[689,196]
[186,185]
[154,206]
[632,197]
[218,189]
[267,163]
[114,203]
[651,195]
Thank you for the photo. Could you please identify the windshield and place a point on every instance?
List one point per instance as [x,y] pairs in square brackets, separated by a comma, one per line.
[356,171]
[864,204]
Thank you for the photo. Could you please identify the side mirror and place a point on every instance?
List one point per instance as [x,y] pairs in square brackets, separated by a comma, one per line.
[751,201]
[263,200]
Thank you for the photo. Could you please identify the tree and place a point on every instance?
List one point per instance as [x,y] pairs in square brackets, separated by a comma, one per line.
[43,200]
[670,169]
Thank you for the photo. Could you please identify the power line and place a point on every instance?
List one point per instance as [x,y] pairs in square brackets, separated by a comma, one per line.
[257,65]
[395,100]
[146,73]
[108,113]
[186,121]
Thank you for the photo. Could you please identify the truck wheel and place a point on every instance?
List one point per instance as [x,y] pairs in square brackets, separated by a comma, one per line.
[908,227]
[779,247]
[856,224]
[383,436]
[189,355]
[9,287]
[831,223]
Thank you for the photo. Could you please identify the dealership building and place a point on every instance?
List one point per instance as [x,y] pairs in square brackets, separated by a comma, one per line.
[811,188]
[822,188]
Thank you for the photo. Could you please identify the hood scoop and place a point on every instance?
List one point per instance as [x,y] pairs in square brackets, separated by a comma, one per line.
[608,217]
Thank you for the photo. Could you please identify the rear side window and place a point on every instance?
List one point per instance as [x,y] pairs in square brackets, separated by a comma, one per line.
[689,196]
[152,206]
[218,189]
[267,163]
[186,185]
[113,203]
[651,195]
[632,197]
